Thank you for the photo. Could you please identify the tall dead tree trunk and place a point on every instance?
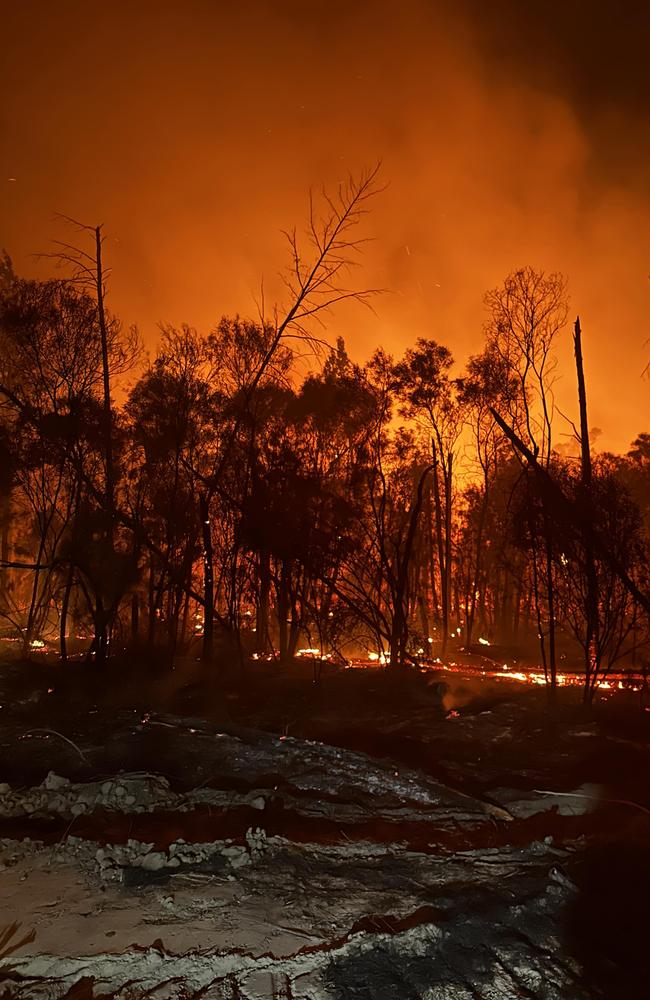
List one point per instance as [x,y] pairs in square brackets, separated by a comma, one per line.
[102,637]
[591,609]
[106,381]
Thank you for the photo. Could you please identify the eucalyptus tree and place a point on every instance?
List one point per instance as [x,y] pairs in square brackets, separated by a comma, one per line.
[379,478]
[526,314]
[486,383]
[173,412]
[331,423]
[608,629]
[50,385]
[429,395]
[119,348]
[315,282]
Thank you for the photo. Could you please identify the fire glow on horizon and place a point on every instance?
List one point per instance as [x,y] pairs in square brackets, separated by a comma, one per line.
[492,161]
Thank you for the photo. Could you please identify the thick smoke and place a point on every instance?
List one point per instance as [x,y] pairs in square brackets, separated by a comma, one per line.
[193,131]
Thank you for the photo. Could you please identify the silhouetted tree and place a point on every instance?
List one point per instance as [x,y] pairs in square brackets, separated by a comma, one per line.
[487,382]
[526,314]
[606,630]
[428,394]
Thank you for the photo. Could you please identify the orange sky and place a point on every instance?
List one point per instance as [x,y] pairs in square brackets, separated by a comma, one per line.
[193,131]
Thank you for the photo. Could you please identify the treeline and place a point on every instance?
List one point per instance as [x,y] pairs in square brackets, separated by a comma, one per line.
[215,499]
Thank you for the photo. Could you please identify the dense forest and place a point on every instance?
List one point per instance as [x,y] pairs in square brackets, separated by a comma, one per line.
[251,492]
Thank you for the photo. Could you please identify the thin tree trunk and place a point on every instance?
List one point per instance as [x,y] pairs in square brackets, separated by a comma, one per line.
[135,618]
[399,634]
[517,608]
[151,632]
[102,635]
[591,623]
[207,654]
[4,547]
[538,610]
[444,593]
[432,560]
[103,332]
[470,611]
[550,596]
[65,603]
[31,616]
[185,616]
[283,612]
[294,631]
[263,604]
[448,479]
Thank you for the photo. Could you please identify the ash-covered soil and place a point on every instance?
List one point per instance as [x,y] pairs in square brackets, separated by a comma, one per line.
[369,837]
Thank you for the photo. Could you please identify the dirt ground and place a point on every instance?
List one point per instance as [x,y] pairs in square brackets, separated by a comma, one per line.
[186,834]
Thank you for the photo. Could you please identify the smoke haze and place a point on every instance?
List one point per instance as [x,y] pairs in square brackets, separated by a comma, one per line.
[509,134]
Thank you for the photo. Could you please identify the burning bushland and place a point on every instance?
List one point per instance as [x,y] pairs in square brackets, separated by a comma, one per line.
[231,509]
[317,685]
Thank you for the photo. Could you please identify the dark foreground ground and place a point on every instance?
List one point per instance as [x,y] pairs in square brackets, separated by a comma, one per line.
[428,836]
